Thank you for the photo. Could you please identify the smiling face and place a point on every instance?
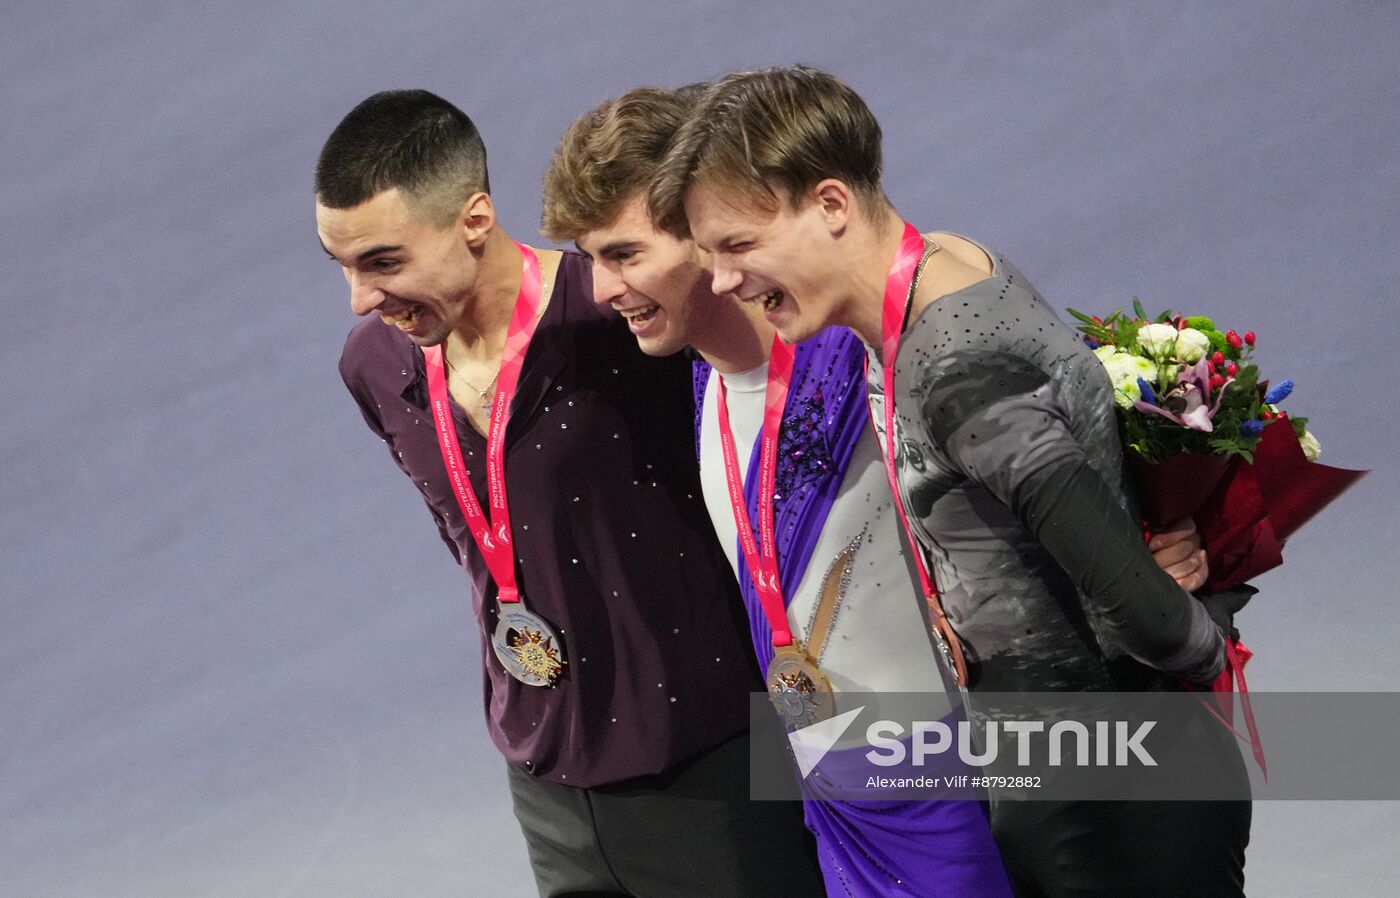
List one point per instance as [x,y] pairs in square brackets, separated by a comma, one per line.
[783,258]
[658,282]
[419,277]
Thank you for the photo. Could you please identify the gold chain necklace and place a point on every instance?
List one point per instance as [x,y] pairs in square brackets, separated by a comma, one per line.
[931,246]
[482,393]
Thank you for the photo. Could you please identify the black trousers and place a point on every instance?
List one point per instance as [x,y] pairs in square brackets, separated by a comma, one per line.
[688,831]
[1137,848]
[1132,849]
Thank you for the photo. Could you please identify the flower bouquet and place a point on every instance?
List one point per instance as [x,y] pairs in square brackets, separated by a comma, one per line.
[1206,439]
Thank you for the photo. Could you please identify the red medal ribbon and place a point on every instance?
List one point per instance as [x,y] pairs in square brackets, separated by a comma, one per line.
[897,286]
[492,536]
[762,559]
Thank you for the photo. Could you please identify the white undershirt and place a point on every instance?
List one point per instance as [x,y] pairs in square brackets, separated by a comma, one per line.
[878,639]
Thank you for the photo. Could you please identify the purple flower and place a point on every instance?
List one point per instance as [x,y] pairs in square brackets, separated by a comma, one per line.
[1185,403]
[1148,395]
[1252,428]
[1279,393]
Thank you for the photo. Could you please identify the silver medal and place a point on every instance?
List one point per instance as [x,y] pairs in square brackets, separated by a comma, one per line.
[527,646]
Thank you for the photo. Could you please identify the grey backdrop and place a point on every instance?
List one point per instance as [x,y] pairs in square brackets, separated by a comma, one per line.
[234,658]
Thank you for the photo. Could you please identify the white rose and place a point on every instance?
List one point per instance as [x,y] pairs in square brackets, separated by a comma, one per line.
[1157,340]
[1312,449]
[1124,370]
[1191,344]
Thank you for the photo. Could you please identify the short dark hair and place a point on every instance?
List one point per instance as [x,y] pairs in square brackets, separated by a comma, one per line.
[608,156]
[412,140]
[770,135]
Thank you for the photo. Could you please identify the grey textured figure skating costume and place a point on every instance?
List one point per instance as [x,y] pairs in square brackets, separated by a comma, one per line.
[1012,473]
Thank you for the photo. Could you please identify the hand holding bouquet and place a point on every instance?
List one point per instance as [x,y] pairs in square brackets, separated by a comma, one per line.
[1206,439]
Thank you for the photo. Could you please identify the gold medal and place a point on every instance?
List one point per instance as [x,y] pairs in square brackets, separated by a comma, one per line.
[798,689]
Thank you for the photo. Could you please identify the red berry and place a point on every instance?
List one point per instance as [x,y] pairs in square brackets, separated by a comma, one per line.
[1216,381]
[1249,337]
[1232,369]
[1218,358]
[1234,340]
[1267,414]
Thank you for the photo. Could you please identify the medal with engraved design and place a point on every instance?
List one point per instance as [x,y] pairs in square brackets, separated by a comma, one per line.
[526,645]
[798,689]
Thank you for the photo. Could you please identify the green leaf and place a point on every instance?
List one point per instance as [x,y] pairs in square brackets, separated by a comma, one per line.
[1240,445]
[1128,334]
[1240,401]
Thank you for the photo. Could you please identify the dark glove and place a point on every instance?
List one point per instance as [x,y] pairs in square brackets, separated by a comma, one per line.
[1223,604]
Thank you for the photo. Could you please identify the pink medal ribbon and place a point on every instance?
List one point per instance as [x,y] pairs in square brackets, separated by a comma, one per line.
[762,560]
[897,298]
[1218,699]
[492,536]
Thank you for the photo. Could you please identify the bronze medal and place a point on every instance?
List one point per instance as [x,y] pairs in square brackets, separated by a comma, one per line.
[527,647]
[944,636]
[798,689]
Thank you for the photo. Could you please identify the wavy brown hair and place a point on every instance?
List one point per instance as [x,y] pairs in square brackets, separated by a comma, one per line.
[608,156]
[770,135]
